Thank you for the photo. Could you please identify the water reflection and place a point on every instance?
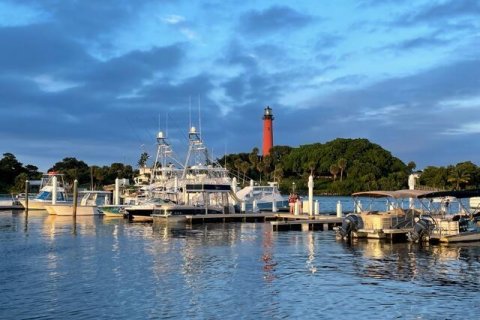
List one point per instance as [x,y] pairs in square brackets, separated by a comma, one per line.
[430,264]
[117,269]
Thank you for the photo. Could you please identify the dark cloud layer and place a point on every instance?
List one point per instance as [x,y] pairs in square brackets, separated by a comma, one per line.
[273,19]
[59,100]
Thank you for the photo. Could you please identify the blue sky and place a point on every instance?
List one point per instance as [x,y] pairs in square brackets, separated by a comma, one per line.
[96,80]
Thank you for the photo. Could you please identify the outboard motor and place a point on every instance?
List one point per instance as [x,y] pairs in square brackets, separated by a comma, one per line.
[351,223]
[421,229]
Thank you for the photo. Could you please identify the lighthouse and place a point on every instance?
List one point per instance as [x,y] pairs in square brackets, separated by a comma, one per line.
[267,131]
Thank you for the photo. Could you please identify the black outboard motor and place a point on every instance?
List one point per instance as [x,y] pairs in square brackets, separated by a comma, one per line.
[351,223]
[421,229]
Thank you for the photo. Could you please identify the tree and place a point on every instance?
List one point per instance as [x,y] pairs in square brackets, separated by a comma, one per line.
[278,174]
[261,169]
[253,158]
[342,164]
[244,166]
[334,169]
[142,162]
[73,169]
[458,176]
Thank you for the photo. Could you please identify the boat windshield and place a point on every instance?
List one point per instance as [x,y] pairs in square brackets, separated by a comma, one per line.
[46,195]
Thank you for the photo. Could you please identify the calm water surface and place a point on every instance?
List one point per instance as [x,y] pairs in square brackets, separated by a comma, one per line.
[109,268]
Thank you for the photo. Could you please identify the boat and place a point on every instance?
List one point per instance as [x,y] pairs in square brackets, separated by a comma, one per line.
[441,224]
[52,191]
[394,222]
[113,210]
[199,199]
[176,190]
[88,206]
[9,202]
[262,198]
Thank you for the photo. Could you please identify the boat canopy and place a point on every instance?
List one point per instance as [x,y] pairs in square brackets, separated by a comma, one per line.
[398,194]
[459,194]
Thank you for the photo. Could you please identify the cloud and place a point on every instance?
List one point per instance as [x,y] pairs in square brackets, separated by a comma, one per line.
[464,129]
[173,19]
[422,42]
[37,49]
[273,19]
[446,10]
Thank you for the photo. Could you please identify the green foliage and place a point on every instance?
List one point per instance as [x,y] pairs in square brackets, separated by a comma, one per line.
[358,163]
[10,168]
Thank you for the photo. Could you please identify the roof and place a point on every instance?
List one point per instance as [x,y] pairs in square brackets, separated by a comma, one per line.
[459,194]
[391,194]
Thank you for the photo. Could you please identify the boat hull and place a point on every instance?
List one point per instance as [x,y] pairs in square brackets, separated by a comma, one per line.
[67,210]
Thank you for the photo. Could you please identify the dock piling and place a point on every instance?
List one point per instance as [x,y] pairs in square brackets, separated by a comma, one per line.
[75,196]
[27,189]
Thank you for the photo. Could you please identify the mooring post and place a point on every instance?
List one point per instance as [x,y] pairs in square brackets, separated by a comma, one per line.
[27,189]
[339,209]
[75,196]
[310,195]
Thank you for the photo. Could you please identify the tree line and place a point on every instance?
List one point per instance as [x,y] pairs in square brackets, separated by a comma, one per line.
[13,173]
[341,166]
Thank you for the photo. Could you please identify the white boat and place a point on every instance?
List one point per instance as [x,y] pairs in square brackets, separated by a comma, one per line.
[262,198]
[172,189]
[440,224]
[9,202]
[52,191]
[88,205]
[199,199]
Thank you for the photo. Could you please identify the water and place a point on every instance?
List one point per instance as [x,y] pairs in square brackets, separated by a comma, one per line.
[113,269]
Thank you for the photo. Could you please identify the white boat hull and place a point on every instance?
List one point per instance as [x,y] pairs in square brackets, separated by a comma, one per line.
[67,210]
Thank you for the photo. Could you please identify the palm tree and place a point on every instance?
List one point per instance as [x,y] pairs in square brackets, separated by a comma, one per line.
[458,176]
[260,168]
[342,164]
[334,170]
[244,166]
[278,174]
[142,162]
[311,167]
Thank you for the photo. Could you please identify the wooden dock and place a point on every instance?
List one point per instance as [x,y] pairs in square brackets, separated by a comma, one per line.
[233,217]
[306,223]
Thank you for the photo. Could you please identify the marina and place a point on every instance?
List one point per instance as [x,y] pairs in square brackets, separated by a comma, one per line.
[93,269]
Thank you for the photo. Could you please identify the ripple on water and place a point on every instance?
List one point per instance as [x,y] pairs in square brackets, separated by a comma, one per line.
[114,269]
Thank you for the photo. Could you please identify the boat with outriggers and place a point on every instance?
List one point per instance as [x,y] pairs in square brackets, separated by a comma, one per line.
[392,223]
[199,199]
[441,223]
[174,186]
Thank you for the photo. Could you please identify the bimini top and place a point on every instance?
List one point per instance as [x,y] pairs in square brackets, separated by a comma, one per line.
[459,194]
[398,194]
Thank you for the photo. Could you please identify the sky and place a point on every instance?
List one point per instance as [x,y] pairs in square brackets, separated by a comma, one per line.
[96,80]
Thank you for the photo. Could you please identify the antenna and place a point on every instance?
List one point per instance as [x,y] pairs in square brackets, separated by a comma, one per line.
[166,124]
[199,119]
[189,112]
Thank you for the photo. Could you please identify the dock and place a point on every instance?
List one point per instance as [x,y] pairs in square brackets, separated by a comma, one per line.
[306,223]
[278,221]
[232,217]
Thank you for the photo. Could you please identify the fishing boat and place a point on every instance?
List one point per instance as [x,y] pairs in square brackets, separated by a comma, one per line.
[394,222]
[88,205]
[199,199]
[262,198]
[442,224]
[170,192]
[52,191]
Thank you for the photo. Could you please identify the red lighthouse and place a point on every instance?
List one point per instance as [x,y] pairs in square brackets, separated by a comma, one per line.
[267,131]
